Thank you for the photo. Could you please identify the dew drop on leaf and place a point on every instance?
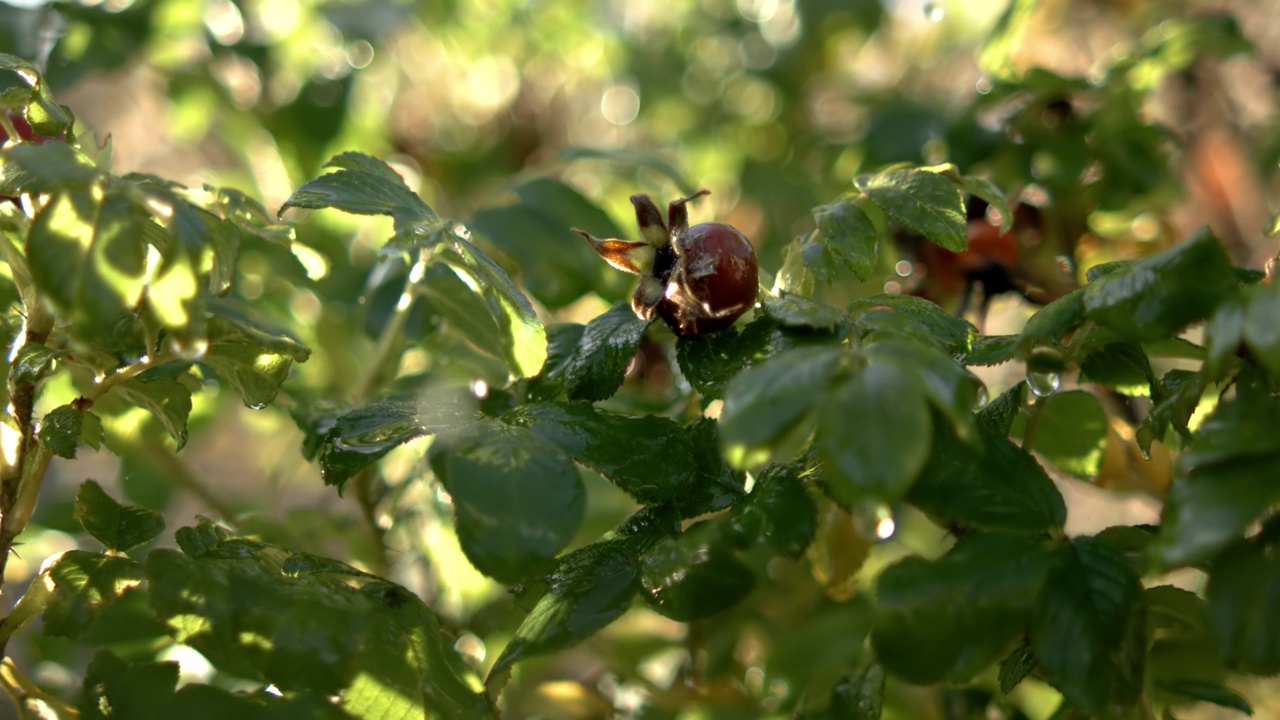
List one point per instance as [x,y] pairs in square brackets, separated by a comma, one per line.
[1044,384]
[981,398]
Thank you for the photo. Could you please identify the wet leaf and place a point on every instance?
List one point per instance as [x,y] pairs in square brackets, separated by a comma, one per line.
[967,607]
[623,448]
[778,511]
[694,575]
[1158,296]
[605,349]
[710,361]
[33,363]
[251,360]
[1121,366]
[517,498]
[992,350]
[922,200]
[1176,397]
[1089,632]
[1051,323]
[351,438]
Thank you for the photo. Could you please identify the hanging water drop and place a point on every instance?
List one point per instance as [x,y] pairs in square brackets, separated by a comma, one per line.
[1044,384]
[981,397]
[933,12]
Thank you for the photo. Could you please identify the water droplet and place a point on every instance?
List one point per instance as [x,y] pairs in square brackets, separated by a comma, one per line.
[933,12]
[1146,452]
[480,389]
[982,397]
[875,522]
[1044,384]
[461,231]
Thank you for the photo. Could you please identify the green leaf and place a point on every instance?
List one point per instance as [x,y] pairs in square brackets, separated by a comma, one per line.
[992,350]
[718,485]
[87,256]
[778,511]
[951,389]
[1051,323]
[120,527]
[995,486]
[164,397]
[43,168]
[1176,397]
[250,359]
[922,200]
[991,193]
[525,339]
[1219,695]
[1222,481]
[848,234]
[458,305]
[517,497]
[65,428]
[1240,596]
[799,311]
[1260,327]
[922,319]
[85,583]
[334,633]
[694,575]
[588,589]
[998,417]
[354,437]
[1090,628]
[951,618]
[1158,296]
[1016,667]
[710,361]
[1121,366]
[115,688]
[364,185]
[767,402]
[33,363]
[605,349]
[875,461]
[623,448]
[861,697]
[1071,432]
[1224,337]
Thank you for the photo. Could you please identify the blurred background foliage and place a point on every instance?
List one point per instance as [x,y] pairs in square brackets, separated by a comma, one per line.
[1128,122]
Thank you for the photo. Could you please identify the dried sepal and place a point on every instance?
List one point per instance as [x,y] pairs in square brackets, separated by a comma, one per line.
[652,229]
[678,216]
[626,255]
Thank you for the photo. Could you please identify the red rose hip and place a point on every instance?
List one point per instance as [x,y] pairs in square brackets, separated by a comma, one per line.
[698,279]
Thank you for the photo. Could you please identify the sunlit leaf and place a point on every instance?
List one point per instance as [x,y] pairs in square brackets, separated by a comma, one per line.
[318,632]
[606,347]
[253,361]
[778,511]
[1071,432]
[799,311]
[164,397]
[525,338]
[916,317]
[922,200]
[84,584]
